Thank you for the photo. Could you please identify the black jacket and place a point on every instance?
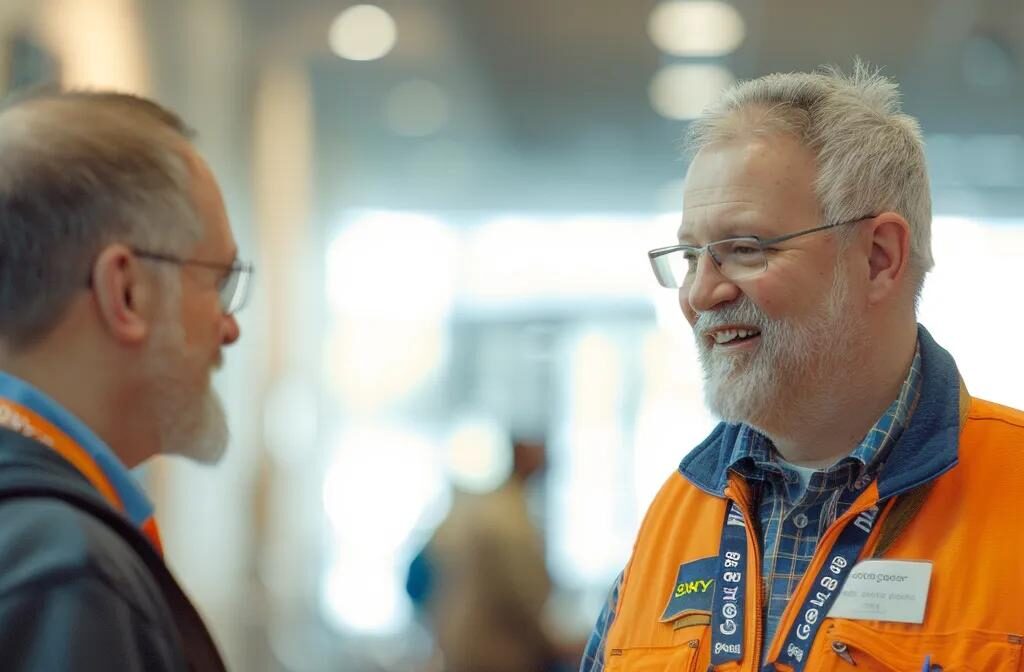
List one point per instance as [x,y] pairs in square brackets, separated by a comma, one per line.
[80,587]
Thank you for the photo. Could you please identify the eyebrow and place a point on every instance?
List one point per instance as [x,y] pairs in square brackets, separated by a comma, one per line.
[725,232]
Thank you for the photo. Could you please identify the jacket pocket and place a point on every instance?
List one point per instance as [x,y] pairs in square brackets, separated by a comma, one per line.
[681,658]
[849,645]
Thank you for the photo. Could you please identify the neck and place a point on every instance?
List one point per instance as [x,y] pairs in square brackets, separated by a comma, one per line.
[850,407]
[88,388]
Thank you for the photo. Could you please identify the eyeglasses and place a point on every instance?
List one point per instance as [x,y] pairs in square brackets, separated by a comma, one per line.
[737,259]
[233,287]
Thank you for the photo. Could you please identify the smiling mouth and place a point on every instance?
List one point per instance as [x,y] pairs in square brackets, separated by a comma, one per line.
[734,336]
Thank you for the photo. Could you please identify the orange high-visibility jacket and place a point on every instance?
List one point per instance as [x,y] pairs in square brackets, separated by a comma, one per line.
[951,492]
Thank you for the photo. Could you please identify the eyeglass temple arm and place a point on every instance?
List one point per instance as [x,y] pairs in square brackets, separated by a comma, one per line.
[791,236]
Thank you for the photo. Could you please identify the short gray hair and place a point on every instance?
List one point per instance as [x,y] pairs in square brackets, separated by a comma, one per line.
[870,155]
[80,171]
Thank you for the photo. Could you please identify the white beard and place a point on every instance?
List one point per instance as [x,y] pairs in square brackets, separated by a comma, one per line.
[188,424]
[793,368]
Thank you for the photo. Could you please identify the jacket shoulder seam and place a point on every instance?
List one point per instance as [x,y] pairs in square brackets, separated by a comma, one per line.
[996,418]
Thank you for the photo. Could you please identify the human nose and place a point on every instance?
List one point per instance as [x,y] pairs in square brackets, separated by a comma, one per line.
[707,288]
[230,330]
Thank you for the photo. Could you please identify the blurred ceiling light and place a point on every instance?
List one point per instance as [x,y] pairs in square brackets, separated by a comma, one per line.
[683,91]
[416,108]
[363,33]
[697,28]
[99,44]
[479,455]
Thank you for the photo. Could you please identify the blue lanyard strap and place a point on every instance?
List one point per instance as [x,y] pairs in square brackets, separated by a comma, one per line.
[825,590]
[728,616]
[729,607]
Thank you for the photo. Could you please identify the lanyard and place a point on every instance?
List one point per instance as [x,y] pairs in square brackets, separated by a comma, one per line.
[827,584]
[28,423]
[728,608]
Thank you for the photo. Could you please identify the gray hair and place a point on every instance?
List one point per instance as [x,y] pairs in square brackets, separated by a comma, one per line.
[870,154]
[80,171]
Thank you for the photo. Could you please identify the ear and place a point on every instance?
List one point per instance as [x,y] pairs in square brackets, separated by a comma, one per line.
[123,295]
[889,257]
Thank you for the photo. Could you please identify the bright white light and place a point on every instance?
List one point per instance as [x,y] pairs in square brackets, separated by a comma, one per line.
[390,285]
[969,294]
[371,524]
[520,260]
[363,33]
[364,598]
[683,91]
[392,264]
[696,28]
[362,461]
[416,108]
[671,417]
[479,455]
[588,543]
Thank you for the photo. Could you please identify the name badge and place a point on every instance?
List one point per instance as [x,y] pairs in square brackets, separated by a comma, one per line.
[693,590]
[885,590]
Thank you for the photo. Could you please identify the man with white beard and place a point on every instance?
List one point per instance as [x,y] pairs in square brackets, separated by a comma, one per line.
[119,280]
[854,508]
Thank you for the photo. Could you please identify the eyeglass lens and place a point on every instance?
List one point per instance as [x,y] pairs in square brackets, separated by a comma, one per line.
[736,259]
[234,291]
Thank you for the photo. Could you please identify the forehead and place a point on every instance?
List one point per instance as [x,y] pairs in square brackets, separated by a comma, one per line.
[217,237]
[750,186]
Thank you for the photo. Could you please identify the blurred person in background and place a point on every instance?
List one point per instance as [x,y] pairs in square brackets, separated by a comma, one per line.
[847,434]
[118,280]
[488,579]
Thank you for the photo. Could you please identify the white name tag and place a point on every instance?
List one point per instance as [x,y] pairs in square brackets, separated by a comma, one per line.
[885,590]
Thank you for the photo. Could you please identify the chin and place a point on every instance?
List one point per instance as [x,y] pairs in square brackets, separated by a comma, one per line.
[742,397]
[201,433]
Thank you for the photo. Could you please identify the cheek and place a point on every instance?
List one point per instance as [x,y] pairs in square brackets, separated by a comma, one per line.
[776,297]
[202,324]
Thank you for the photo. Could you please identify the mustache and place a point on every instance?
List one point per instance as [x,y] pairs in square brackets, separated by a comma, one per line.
[742,312]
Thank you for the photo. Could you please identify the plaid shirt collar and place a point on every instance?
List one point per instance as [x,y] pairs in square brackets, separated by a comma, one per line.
[754,456]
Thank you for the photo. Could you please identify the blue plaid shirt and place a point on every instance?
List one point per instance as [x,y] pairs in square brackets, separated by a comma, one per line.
[792,520]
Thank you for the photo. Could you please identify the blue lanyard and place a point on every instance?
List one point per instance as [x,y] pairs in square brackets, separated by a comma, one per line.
[826,587]
[728,608]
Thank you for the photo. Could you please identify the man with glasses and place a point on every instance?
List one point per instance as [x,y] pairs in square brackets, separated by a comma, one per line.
[119,281]
[852,508]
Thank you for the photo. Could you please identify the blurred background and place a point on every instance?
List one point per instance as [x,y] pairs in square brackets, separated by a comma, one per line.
[449,204]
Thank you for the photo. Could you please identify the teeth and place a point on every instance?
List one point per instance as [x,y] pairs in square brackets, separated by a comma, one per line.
[722,337]
[728,335]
